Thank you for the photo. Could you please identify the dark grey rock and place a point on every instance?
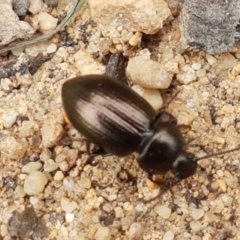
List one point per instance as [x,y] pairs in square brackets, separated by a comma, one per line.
[211,25]
[20,7]
[27,225]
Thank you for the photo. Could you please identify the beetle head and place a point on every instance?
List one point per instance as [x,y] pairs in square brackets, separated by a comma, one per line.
[185,165]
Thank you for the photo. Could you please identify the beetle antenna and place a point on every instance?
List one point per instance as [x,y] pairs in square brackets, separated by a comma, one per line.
[218,153]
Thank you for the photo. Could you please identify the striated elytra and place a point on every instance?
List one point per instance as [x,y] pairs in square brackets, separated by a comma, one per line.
[110,114]
[107,112]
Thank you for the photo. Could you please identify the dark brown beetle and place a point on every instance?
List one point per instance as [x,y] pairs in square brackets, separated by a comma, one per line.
[109,113]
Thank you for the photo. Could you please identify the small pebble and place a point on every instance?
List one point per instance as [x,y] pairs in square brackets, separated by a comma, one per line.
[201,73]
[51,133]
[35,6]
[152,96]
[103,233]
[214,185]
[147,73]
[33,50]
[10,182]
[26,129]
[210,217]
[218,139]
[46,22]
[211,60]
[222,184]
[68,207]
[39,179]
[112,197]
[9,118]
[167,54]
[50,165]
[231,182]
[68,183]
[128,207]
[64,166]
[34,200]
[169,235]
[136,39]
[197,213]
[85,183]
[45,154]
[135,231]
[196,65]
[226,61]
[64,231]
[226,199]
[171,67]
[59,176]
[12,147]
[86,64]
[31,166]
[69,217]
[186,75]
[236,70]
[195,225]
[220,173]
[163,211]
[4,230]
[52,48]
[6,84]
[19,191]
[118,212]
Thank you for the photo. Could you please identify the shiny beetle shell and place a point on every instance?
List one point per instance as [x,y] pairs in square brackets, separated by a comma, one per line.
[107,112]
[110,114]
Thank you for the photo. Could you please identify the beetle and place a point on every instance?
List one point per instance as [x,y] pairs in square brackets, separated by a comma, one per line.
[110,114]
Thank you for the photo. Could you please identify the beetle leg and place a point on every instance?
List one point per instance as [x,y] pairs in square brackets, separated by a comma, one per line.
[116,67]
[164,117]
[97,150]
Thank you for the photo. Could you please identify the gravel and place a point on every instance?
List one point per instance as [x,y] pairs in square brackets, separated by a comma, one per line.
[197,213]
[39,179]
[169,235]
[163,211]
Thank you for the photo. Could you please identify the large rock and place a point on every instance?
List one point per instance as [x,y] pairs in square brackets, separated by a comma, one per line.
[11,28]
[211,25]
[135,15]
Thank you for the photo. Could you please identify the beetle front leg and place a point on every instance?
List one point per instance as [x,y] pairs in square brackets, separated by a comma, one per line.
[97,150]
[163,116]
[159,181]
